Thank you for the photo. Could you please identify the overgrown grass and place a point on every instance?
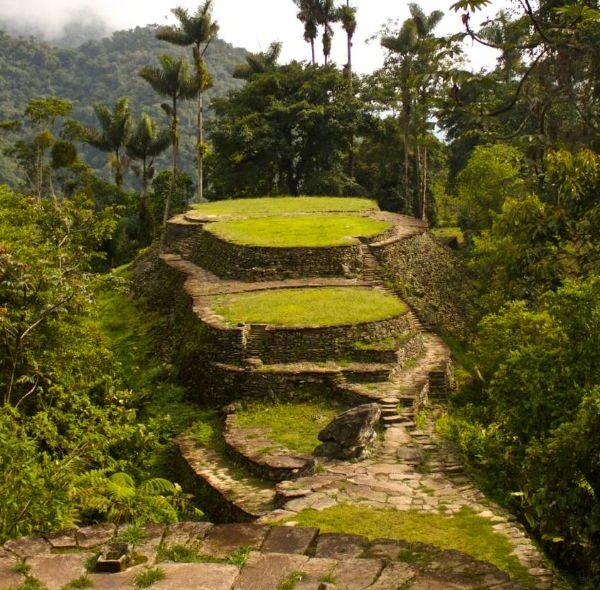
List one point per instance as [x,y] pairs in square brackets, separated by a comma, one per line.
[294,426]
[179,554]
[131,332]
[449,233]
[283,205]
[308,307]
[295,232]
[149,577]
[81,583]
[291,581]
[465,531]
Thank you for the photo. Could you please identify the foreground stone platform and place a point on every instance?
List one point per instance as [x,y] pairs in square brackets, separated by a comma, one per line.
[301,557]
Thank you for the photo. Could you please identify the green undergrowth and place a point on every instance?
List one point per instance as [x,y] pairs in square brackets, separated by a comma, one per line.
[312,307]
[260,207]
[294,232]
[465,531]
[387,344]
[449,233]
[131,332]
[294,426]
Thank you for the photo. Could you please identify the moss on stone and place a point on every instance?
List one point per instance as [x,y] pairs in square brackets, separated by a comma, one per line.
[465,531]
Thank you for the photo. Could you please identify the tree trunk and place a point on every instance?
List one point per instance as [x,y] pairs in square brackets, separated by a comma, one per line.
[200,146]
[312,49]
[425,187]
[171,192]
[407,203]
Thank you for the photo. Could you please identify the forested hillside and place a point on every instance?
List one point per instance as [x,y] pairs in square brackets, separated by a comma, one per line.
[100,71]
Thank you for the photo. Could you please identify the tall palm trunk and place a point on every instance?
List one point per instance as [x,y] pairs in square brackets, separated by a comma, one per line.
[200,122]
[425,186]
[171,192]
[407,200]
[312,50]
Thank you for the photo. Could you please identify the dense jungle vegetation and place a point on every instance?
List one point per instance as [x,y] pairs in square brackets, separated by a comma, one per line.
[509,157]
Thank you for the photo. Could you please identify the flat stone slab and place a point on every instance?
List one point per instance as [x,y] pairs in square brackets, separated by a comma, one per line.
[26,548]
[184,533]
[8,578]
[266,572]
[357,574]
[94,536]
[197,576]
[223,539]
[55,571]
[394,576]
[336,546]
[287,539]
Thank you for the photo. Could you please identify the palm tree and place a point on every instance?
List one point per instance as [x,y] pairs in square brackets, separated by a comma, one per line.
[411,44]
[198,30]
[172,79]
[113,134]
[327,14]
[258,63]
[347,16]
[308,11]
[146,143]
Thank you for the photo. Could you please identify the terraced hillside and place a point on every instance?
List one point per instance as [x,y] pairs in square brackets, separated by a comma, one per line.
[288,321]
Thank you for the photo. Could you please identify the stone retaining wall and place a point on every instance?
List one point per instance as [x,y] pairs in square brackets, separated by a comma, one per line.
[261,456]
[430,277]
[288,345]
[252,263]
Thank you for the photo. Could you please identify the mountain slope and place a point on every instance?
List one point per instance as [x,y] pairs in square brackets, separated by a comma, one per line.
[100,71]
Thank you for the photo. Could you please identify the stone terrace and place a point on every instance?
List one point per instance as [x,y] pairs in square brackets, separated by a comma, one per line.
[273,556]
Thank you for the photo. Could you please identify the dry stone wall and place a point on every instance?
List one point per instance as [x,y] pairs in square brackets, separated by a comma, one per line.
[251,263]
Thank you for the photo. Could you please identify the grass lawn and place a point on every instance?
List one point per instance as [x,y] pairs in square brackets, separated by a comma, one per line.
[313,307]
[283,205]
[464,531]
[449,233]
[294,426]
[293,232]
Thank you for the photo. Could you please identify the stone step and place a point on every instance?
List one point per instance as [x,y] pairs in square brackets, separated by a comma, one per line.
[391,420]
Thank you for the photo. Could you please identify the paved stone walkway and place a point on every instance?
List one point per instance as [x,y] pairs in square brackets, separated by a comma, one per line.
[267,558]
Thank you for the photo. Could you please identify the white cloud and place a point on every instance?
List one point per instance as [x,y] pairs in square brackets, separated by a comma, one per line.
[251,24]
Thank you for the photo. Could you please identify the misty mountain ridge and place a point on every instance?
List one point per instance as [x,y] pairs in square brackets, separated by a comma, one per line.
[100,71]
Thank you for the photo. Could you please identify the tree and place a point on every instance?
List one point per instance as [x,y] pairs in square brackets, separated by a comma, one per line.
[308,15]
[198,30]
[41,115]
[347,16]
[327,15]
[491,176]
[414,64]
[285,132]
[173,80]
[259,63]
[145,144]
[113,135]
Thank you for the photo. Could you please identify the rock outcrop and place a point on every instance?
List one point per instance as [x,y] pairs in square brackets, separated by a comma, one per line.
[349,435]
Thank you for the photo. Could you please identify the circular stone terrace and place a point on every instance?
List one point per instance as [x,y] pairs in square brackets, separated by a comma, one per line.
[308,307]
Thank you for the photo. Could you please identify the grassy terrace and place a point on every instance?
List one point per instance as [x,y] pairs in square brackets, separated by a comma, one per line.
[265,207]
[308,307]
[291,232]
[294,426]
[464,531]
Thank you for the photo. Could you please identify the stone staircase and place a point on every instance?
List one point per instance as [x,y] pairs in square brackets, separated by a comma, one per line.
[371,271]
[256,336]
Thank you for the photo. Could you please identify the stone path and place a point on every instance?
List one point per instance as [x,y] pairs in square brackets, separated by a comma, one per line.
[411,470]
[267,558]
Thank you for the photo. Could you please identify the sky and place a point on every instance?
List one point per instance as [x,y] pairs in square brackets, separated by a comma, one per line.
[252,24]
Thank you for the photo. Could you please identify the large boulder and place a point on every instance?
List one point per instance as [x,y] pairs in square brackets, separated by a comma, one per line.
[349,435]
